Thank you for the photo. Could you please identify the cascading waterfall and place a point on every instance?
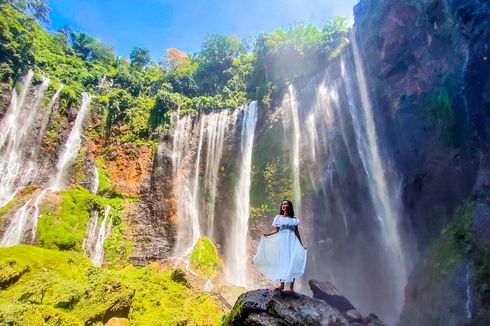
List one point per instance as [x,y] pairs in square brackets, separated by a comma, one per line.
[383,194]
[26,217]
[15,129]
[196,194]
[72,145]
[15,231]
[44,123]
[96,236]
[187,186]
[236,247]
[216,127]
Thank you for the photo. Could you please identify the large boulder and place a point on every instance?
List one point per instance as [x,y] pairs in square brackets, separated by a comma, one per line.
[327,307]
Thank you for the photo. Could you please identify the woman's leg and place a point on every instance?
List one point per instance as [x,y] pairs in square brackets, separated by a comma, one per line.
[280,286]
[291,286]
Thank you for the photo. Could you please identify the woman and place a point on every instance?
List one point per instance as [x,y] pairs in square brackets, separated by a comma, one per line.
[281,255]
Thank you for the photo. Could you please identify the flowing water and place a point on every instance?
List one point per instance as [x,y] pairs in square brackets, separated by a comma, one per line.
[16,140]
[236,248]
[196,156]
[72,145]
[96,236]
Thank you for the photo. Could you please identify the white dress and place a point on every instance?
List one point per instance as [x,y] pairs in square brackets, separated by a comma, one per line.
[280,256]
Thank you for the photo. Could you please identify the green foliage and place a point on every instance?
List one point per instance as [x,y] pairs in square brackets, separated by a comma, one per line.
[216,56]
[38,8]
[65,228]
[284,55]
[88,48]
[205,260]
[63,288]
[456,241]
[165,103]
[140,57]
[105,186]
[11,271]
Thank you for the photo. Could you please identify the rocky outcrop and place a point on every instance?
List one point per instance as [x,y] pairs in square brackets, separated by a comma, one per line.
[129,166]
[327,307]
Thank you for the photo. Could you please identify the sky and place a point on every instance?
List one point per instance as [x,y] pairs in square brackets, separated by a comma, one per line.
[160,24]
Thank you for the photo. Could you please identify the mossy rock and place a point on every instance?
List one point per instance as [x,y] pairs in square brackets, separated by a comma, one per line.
[63,288]
[11,271]
[205,260]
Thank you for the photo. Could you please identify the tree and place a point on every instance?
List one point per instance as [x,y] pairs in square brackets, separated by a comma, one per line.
[174,58]
[216,56]
[89,48]
[38,8]
[139,57]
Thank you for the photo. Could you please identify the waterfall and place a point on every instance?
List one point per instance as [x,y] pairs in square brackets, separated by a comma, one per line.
[15,139]
[215,132]
[196,194]
[383,194]
[44,123]
[96,236]
[24,219]
[295,150]
[72,145]
[236,248]
[16,229]
[187,185]
[469,304]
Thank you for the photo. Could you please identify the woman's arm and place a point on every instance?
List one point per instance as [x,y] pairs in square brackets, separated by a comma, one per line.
[274,230]
[296,231]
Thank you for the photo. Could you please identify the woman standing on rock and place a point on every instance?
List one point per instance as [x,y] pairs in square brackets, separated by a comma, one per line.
[281,255]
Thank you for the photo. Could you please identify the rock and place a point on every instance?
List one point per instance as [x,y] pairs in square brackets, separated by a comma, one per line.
[327,292]
[267,307]
[114,321]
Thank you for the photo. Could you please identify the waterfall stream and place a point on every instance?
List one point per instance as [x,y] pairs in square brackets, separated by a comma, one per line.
[72,145]
[15,128]
[236,248]
[96,236]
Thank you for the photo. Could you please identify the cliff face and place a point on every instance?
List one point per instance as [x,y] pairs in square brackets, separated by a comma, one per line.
[428,63]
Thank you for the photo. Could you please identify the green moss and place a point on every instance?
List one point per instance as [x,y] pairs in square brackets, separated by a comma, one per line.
[63,288]
[11,271]
[117,247]
[105,186]
[456,241]
[205,260]
[65,228]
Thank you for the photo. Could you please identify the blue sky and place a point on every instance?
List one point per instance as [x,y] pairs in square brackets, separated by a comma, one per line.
[160,24]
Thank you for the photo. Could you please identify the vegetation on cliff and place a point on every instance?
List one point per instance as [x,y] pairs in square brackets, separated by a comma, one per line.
[140,94]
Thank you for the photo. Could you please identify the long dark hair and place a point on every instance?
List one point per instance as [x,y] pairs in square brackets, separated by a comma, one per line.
[290,210]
